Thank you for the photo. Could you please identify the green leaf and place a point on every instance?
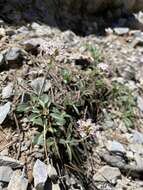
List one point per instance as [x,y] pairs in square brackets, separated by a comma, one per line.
[69,152]
[36,119]
[50,142]
[60,121]
[36,110]
[23,108]
[44,100]
[66,76]
[62,141]
[39,139]
[57,149]
[76,110]
[128,122]
[34,98]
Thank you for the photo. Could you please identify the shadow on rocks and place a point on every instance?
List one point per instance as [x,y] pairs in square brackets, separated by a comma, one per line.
[53,14]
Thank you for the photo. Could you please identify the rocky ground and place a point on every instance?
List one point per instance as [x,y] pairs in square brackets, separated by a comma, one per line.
[30,58]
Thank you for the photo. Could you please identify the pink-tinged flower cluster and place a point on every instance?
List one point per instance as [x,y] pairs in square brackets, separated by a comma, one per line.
[86,128]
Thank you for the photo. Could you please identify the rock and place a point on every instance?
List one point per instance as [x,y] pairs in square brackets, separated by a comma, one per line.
[4,152]
[131,85]
[7,161]
[51,171]
[32,44]
[139,161]
[116,147]
[136,148]
[10,32]
[109,31]
[23,30]
[40,174]
[1,186]
[13,54]
[70,12]
[18,181]
[5,174]
[137,42]
[7,91]
[1,59]
[38,155]
[2,32]
[121,31]
[55,187]
[107,174]
[130,155]
[4,110]
[35,25]
[1,22]
[68,36]
[137,137]
[41,84]
[128,73]
[140,103]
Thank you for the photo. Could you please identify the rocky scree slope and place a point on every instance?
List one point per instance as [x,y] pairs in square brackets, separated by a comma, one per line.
[93,84]
[102,76]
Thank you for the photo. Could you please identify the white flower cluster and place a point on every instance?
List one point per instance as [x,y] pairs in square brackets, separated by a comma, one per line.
[86,128]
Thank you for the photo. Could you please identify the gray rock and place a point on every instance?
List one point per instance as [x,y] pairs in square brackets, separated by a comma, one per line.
[107,174]
[4,152]
[13,54]
[7,91]
[130,155]
[7,161]
[116,147]
[1,22]
[55,187]
[68,36]
[40,174]
[2,32]
[35,26]
[139,160]
[5,174]
[32,44]
[137,42]
[10,32]
[18,182]
[1,59]
[140,103]
[109,124]
[41,84]
[4,110]
[137,137]
[121,31]
[38,155]
[23,30]
[136,148]
[1,186]
[128,73]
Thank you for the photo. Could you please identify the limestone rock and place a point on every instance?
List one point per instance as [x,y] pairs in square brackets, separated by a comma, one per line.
[107,173]
[5,173]
[7,91]
[13,54]
[4,110]
[18,182]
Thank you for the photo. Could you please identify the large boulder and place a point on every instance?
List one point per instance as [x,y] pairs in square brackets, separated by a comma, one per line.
[72,13]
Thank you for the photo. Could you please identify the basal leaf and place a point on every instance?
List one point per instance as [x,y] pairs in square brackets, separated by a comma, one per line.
[23,108]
